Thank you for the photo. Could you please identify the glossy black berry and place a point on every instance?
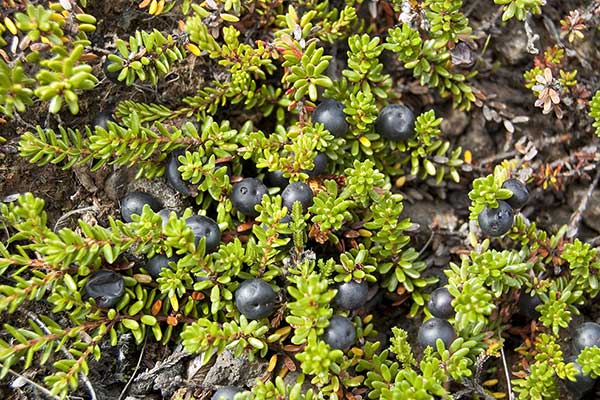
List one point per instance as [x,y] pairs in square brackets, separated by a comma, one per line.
[583,383]
[297,191]
[134,202]
[340,334]
[528,303]
[440,303]
[226,393]
[255,299]
[520,194]
[106,288]
[164,215]
[587,335]
[320,163]
[276,179]
[330,113]
[101,119]
[157,263]
[496,221]
[174,176]
[433,329]
[351,295]
[395,122]
[205,227]
[246,195]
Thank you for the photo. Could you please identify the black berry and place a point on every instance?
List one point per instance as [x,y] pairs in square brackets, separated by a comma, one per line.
[320,163]
[583,383]
[297,191]
[351,295]
[157,263]
[340,334]
[106,288]
[440,303]
[433,329]
[520,194]
[255,299]
[102,118]
[395,122]
[528,303]
[226,393]
[174,176]
[496,221]
[587,335]
[276,179]
[246,195]
[330,113]
[134,202]
[205,227]
[164,215]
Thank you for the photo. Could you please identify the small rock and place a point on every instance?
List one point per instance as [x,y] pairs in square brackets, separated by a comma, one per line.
[514,50]
[455,123]
[427,213]
[169,380]
[228,370]
[159,189]
[591,216]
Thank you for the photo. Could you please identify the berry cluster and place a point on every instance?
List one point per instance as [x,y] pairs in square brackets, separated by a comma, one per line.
[255,298]
[497,221]
[440,306]
[395,122]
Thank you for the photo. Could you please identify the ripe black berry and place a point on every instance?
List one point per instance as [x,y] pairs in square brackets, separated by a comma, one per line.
[396,122]
[174,176]
[433,329]
[164,215]
[330,113]
[226,393]
[583,383]
[102,118]
[246,195]
[587,335]
[106,288]
[528,303]
[496,221]
[134,202]
[297,191]
[276,179]
[520,194]
[320,163]
[156,264]
[205,227]
[255,299]
[340,334]
[440,303]
[351,295]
